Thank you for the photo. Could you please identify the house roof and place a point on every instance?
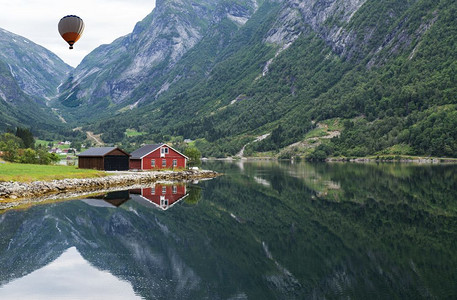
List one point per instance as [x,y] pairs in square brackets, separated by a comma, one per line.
[145,150]
[99,151]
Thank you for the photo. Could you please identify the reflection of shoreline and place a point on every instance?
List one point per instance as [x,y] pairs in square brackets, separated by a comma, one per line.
[27,191]
[75,195]
[382,159]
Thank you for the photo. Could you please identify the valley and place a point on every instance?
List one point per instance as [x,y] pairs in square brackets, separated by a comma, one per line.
[223,74]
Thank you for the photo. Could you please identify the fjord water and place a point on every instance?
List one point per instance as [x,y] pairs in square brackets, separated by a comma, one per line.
[264,230]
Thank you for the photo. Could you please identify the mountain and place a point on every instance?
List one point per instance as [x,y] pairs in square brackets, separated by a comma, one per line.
[29,76]
[37,70]
[224,73]
[132,68]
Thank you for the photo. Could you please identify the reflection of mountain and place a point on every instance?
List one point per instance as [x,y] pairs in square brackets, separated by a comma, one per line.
[68,277]
[110,199]
[249,240]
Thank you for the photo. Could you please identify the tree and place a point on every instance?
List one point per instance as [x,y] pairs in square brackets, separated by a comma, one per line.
[28,156]
[76,145]
[10,145]
[194,156]
[195,194]
[27,137]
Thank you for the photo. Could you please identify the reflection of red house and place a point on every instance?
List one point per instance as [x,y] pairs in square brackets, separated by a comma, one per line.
[157,156]
[162,196]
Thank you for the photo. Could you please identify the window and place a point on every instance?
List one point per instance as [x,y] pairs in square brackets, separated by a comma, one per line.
[164,190]
[175,162]
[164,162]
[153,163]
[175,189]
[164,150]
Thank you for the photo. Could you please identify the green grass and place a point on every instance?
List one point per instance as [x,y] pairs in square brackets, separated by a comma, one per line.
[316,132]
[29,173]
[42,143]
[133,132]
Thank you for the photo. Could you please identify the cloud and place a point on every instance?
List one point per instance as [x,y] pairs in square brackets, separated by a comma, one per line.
[105,21]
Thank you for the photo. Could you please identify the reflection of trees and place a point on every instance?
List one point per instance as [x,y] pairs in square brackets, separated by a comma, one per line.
[392,233]
[194,195]
[342,223]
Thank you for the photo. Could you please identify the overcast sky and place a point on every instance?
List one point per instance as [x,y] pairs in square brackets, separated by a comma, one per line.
[105,21]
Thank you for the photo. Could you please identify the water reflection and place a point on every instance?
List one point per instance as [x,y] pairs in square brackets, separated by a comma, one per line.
[161,195]
[68,277]
[264,230]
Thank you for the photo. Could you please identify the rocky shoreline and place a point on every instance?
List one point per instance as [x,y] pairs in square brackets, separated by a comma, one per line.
[17,190]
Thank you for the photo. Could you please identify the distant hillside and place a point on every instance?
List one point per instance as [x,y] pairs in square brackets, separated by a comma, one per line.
[29,77]
[224,73]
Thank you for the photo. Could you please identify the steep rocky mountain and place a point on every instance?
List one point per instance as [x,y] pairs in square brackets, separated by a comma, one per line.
[225,73]
[114,75]
[37,71]
[29,76]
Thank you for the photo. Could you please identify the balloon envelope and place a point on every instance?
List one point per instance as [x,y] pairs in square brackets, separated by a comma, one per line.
[71,28]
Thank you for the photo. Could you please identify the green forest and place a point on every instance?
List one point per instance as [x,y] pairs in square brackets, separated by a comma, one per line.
[392,87]
[396,99]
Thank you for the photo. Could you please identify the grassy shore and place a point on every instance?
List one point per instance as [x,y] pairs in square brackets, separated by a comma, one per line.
[29,173]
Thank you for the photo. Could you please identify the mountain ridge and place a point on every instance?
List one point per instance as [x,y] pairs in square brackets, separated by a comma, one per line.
[224,73]
[290,65]
[29,77]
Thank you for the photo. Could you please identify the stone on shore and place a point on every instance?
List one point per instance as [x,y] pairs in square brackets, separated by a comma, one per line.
[17,190]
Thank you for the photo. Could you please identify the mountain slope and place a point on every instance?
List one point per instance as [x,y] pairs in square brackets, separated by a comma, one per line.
[112,75]
[29,75]
[19,109]
[38,71]
[384,68]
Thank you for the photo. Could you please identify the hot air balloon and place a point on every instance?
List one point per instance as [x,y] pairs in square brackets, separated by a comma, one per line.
[71,28]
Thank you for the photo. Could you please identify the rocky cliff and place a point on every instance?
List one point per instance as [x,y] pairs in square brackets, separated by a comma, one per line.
[29,76]
[111,74]
[225,73]
[37,71]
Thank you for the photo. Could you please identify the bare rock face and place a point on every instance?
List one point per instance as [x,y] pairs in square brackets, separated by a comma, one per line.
[156,44]
[325,17]
[37,71]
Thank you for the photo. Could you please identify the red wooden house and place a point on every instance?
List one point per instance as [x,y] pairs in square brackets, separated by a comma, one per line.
[161,196]
[157,156]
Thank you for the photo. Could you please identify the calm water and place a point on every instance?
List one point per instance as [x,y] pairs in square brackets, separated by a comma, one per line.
[263,231]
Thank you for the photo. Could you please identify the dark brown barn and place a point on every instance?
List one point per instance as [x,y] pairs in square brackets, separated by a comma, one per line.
[104,158]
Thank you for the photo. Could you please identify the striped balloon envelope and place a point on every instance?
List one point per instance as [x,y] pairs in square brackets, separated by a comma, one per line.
[71,28]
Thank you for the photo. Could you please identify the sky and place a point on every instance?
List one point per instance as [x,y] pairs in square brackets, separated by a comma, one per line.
[105,20]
